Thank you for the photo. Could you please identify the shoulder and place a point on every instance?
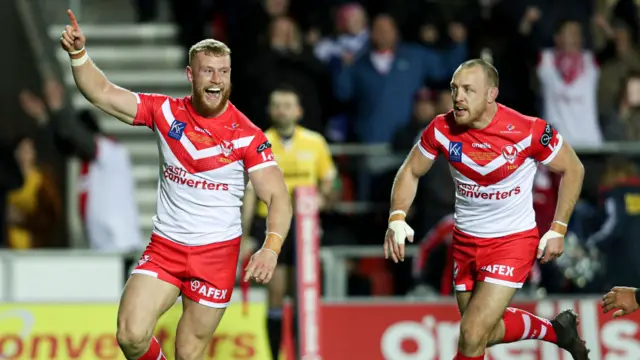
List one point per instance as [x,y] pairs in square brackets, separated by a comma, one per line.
[441,122]
[517,119]
[157,98]
[241,122]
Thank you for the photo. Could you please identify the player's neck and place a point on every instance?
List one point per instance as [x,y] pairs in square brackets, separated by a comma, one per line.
[486,118]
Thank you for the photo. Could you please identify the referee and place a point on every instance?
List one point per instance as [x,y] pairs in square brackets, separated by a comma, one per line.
[304,157]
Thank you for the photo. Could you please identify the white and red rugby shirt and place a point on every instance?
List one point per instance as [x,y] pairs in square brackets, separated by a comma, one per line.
[493,168]
[203,167]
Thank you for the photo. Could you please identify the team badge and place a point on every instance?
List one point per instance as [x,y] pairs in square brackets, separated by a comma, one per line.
[510,152]
[455,151]
[144,259]
[177,129]
[226,147]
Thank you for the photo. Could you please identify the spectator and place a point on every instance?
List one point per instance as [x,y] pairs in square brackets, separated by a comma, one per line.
[424,110]
[353,34]
[10,179]
[620,58]
[288,60]
[624,122]
[35,209]
[381,82]
[568,78]
[106,193]
[620,209]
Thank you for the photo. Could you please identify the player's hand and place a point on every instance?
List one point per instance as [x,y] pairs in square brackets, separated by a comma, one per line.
[72,38]
[397,232]
[551,246]
[261,266]
[621,298]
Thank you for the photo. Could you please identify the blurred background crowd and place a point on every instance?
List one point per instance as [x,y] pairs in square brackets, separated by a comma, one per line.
[369,75]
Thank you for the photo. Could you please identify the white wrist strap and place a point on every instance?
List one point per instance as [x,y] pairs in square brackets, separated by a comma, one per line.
[396,212]
[560,223]
[76,52]
[80,61]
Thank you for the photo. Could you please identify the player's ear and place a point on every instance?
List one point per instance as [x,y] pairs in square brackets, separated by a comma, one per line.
[493,94]
[189,73]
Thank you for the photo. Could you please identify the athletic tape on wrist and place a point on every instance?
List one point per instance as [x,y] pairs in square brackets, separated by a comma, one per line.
[273,251]
[397,212]
[77,51]
[560,223]
[276,234]
[80,61]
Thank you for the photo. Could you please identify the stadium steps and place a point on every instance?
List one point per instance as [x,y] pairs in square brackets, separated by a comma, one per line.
[143,58]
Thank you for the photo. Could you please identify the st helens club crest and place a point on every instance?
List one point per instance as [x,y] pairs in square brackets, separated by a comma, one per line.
[226,147]
[510,152]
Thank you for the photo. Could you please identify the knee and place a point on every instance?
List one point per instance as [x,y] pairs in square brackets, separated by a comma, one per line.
[132,338]
[473,334]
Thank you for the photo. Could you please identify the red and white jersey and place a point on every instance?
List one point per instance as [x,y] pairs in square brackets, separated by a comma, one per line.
[203,167]
[493,169]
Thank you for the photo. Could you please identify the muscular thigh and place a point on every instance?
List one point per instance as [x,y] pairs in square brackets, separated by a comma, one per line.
[144,300]
[196,328]
[463,298]
[486,305]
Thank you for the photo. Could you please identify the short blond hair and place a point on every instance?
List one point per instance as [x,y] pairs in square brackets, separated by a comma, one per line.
[209,47]
[490,71]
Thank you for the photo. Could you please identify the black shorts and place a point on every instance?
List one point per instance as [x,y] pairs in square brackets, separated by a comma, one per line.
[288,253]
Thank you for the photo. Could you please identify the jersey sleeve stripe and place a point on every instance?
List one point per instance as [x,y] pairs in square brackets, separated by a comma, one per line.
[426,153]
[262,166]
[137,98]
[554,152]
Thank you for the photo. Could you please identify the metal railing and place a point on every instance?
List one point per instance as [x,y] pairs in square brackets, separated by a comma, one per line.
[334,264]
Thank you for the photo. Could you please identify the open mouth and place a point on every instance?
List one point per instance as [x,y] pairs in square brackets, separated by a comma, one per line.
[213,92]
[460,110]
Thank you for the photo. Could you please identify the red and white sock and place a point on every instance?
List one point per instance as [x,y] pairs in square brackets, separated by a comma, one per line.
[463,357]
[523,325]
[154,352]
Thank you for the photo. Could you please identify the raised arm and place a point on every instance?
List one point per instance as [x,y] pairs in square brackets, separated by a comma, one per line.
[92,83]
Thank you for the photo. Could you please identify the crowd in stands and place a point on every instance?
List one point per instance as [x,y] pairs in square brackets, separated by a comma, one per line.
[377,72]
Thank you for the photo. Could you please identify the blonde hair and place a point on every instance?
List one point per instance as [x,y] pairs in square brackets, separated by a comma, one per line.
[209,47]
[489,70]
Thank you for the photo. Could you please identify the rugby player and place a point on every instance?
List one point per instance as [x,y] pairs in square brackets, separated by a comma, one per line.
[493,152]
[207,148]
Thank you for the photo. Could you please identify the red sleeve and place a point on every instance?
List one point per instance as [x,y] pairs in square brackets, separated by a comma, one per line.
[258,154]
[148,105]
[545,142]
[427,144]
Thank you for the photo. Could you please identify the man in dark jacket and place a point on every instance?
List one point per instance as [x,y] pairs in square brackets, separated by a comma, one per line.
[617,239]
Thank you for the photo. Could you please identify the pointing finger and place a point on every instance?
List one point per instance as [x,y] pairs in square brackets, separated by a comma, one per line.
[72,18]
